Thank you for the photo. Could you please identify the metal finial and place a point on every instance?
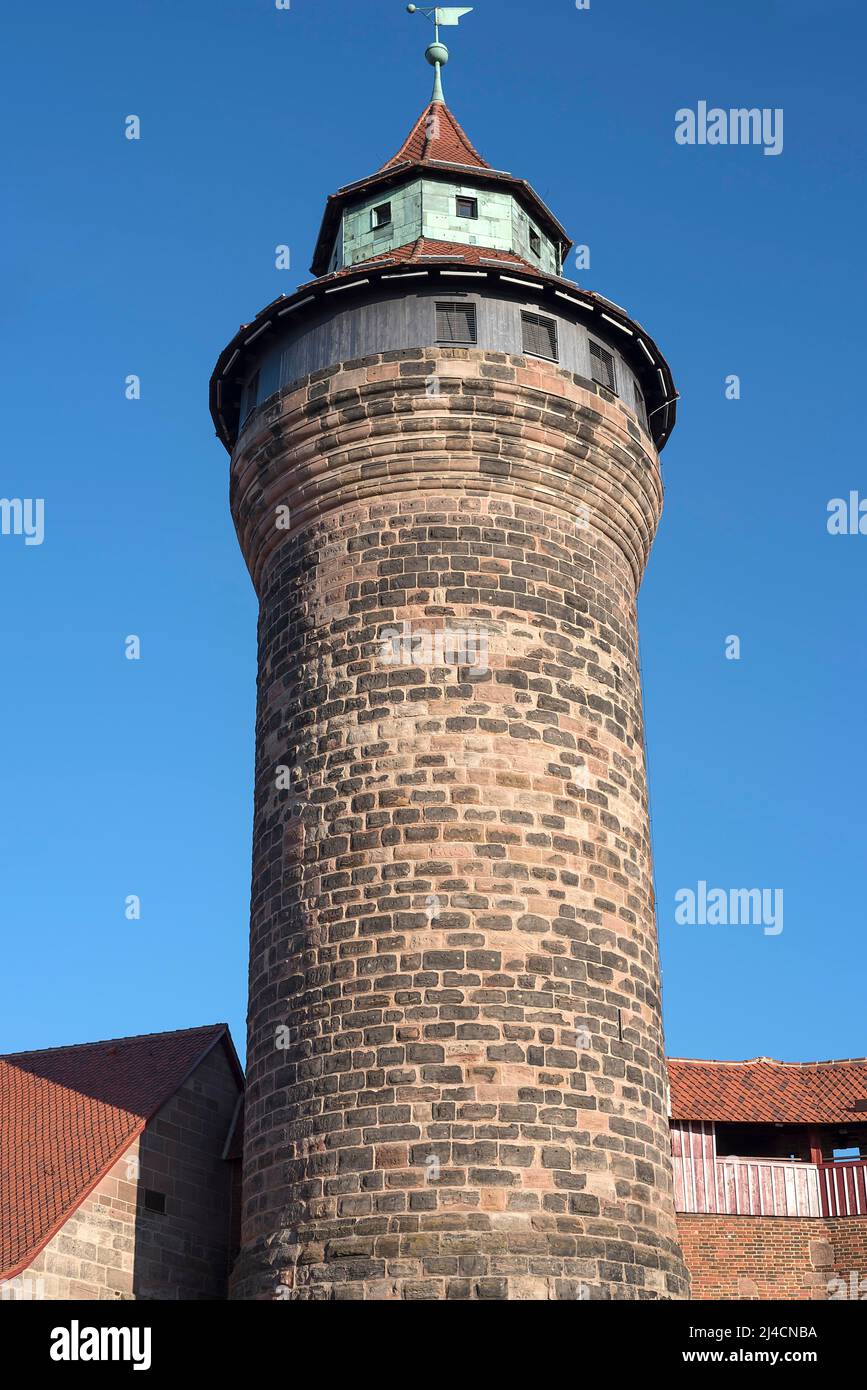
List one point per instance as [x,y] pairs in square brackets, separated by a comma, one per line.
[436,53]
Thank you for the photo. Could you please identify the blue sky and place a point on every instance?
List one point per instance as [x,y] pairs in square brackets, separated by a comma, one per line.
[123,257]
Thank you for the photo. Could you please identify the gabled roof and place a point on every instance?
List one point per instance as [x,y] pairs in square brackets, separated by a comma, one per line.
[68,1113]
[437,135]
[764,1091]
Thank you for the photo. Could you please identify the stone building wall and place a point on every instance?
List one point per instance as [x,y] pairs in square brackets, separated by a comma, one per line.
[184,1252]
[456,1083]
[91,1256]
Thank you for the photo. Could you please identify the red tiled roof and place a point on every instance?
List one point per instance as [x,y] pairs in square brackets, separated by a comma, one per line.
[436,135]
[763,1091]
[66,1116]
[425,251]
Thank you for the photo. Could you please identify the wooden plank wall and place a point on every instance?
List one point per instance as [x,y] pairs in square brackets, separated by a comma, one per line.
[703,1182]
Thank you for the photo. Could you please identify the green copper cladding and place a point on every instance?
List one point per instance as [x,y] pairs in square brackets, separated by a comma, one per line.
[427,208]
[436,53]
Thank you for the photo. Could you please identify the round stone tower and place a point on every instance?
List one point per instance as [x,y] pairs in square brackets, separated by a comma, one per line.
[445,482]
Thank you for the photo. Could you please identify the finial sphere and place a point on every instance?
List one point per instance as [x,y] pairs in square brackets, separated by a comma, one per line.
[437,53]
[410,9]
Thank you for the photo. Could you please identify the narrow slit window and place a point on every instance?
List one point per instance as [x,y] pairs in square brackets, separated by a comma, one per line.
[640,408]
[540,336]
[251,395]
[468,207]
[382,216]
[602,366]
[535,243]
[155,1201]
[456,323]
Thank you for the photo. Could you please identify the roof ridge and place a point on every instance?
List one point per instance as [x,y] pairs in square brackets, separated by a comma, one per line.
[768,1061]
[102,1042]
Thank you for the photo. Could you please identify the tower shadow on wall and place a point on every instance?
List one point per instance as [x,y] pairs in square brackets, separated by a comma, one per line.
[184,1205]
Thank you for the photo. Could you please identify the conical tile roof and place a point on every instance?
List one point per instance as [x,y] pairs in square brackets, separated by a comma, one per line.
[437,137]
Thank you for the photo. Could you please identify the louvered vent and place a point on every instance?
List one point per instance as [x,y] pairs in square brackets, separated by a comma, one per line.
[540,336]
[456,323]
[601,366]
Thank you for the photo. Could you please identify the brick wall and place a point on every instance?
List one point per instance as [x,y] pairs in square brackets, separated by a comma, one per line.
[452,907]
[848,1237]
[753,1257]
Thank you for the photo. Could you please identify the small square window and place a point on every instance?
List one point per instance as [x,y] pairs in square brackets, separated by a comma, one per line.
[456,323]
[540,336]
[155,1201]
[601,366]
[382,216]
[535,243]
[468,207]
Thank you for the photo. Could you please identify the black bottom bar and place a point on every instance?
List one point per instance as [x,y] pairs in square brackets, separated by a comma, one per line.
[256,1339]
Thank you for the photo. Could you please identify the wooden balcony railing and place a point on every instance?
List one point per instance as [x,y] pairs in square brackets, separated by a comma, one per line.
[843,1188]
[767,1187]
[704,1182]
[748,1187]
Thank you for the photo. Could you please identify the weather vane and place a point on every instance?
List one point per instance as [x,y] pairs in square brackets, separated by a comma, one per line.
[436,53]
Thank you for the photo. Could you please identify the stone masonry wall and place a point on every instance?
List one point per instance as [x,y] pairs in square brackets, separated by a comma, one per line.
[754,1257]
[183,1253]
[91,1256]
[456,1084]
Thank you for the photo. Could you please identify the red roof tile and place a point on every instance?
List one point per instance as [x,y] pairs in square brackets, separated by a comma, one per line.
[66,1116]
[436,135]
[763,1091]
[425,251]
